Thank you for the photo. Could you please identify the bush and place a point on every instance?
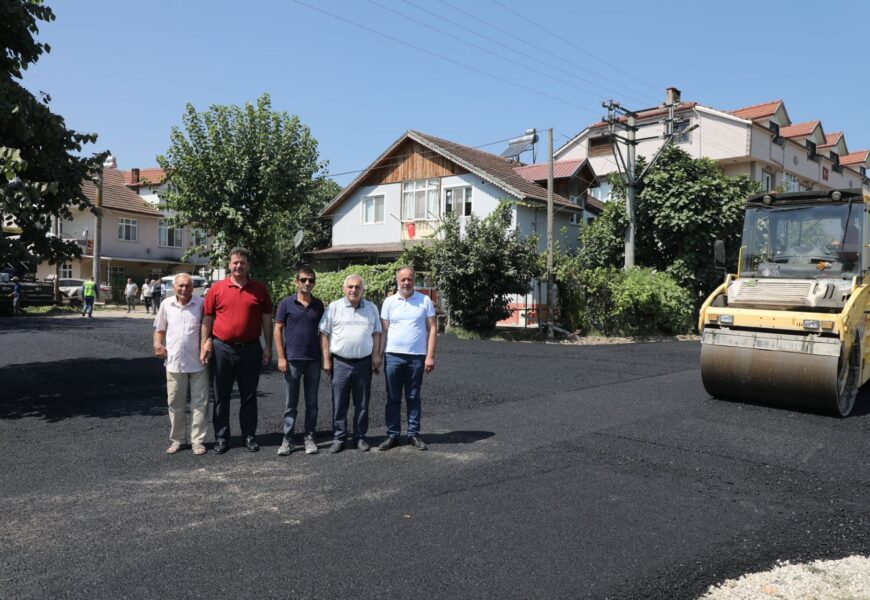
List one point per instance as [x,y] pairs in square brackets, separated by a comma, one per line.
[379,280]
[609,301]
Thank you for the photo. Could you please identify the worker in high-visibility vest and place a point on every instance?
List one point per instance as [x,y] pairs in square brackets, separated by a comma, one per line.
[89,295]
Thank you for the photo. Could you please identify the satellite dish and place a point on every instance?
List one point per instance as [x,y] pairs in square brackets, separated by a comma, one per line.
[297,239]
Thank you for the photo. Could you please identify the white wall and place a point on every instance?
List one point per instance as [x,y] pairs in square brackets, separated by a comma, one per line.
[534,220]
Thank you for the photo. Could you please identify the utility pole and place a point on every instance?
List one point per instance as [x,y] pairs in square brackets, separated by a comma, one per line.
[550,293]
[98,231]
[623,120]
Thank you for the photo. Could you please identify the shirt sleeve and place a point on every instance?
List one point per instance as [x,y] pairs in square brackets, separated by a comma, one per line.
[160,321]
[385,309]
[208,307]
[325,321]
[281,315]
[429,306]
[378,327]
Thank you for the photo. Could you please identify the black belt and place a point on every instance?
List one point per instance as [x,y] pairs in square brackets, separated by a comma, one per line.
[237,344]
[350,360]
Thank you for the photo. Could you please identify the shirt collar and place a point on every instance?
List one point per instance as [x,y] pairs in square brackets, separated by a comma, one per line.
[347,303]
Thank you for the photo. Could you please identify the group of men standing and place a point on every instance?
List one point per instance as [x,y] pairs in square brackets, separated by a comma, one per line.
[151,294]
[349,340]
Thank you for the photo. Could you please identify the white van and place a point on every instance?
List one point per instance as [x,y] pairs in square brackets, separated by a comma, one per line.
[200,286]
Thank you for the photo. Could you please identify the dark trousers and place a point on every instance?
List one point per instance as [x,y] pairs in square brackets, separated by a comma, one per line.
[146,300]
[403,372]
[89,305]
[239,363]
[351,378]
[303,374]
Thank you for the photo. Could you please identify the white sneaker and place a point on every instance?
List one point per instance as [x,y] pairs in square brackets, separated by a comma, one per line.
[285,449]
[310,446]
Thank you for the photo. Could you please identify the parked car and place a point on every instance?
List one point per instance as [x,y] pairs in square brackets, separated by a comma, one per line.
[200,285]
[71,288]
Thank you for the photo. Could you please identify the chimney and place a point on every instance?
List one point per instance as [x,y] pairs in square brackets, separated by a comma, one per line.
[134,176]
[672,96]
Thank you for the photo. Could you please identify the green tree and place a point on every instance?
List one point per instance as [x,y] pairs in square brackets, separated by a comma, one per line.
[476,270]
[247,176]
[683,205]
[42,169]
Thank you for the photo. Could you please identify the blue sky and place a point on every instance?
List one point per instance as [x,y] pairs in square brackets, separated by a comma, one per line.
[126,70]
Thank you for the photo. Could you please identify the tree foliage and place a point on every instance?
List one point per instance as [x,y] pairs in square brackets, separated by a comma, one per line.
[476,270]
[247,176]
[42,170]
[683,205]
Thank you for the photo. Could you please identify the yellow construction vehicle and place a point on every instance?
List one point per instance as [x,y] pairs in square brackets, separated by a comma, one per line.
[790,327]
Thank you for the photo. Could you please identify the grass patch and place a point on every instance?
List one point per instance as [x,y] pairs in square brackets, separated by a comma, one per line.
[499,334]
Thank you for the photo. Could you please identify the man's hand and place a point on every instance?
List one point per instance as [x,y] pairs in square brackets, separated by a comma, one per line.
[376,364]
[160,351]
[267,356]
[282,365]
[205,352]
[429,365]
[327,366]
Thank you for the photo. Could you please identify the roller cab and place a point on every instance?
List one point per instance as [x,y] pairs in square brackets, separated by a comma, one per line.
[789,327]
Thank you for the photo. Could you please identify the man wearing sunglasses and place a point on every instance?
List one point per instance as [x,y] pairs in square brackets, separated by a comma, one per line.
[297,343]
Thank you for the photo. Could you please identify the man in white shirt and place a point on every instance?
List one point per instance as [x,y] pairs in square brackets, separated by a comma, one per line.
[409,332]
[176,339]
[131,290]
[350,336]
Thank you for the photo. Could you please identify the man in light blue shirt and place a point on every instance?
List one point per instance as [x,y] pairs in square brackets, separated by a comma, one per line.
[409,329]
[350,337]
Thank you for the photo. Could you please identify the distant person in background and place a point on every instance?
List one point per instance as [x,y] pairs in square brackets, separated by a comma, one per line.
[177,330]
[17,296]
[89,296]
[131,290]
[156,293]
[146,297]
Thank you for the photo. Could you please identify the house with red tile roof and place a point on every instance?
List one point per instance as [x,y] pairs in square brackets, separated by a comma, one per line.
[759,141]
[137,240]
[403,195]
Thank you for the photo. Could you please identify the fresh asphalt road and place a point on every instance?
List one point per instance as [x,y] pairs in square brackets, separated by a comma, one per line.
[553,472]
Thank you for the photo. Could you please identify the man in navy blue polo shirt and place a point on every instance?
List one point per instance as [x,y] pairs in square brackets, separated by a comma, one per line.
[297,342]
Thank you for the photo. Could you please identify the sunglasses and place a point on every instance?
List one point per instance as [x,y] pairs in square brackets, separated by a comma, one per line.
[306,280]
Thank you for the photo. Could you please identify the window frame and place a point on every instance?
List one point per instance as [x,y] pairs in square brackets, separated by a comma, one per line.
[128,225]
[163,229]
[430,185]
[467,200]
[374,198]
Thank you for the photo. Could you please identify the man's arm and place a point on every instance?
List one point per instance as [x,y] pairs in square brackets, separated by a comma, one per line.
[267,338]
[160,343]
[278,335]
[205,345]
[324,350]
[432,327]
[376,352]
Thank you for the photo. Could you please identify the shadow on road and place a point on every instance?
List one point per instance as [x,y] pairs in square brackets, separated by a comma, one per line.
[862,405]
[433,439]
[104,388]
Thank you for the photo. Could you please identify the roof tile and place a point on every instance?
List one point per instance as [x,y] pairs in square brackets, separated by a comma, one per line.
[757,111]
[799,129]
[117,196]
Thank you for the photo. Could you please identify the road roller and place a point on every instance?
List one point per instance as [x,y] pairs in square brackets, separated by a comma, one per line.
[789,328]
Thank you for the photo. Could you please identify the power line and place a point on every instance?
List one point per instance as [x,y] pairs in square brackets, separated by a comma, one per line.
[535,46]
[481,48]
[514,50]
[572,44]
[445,58]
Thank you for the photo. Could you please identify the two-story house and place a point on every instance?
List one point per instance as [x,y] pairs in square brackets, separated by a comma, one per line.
[758,141]
[136,241]
[403,195]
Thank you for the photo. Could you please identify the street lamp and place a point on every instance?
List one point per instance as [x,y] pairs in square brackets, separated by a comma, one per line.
[98,228]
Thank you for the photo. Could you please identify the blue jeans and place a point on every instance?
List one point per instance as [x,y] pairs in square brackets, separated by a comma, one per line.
[305,374]
[403,372]
[235,363]
[351,377]
[89,305]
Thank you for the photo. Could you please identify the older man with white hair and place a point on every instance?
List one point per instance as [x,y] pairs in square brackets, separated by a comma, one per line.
[350,337]
[177,341]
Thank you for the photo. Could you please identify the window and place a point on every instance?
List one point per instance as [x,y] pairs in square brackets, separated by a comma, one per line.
[680,134]
[774,129]
[790,182]
[66,271]
[600,146]
[197,237]
[576,217]
[116,271]
[373,210]
[835,158]
[154,274]
[128,230]
[602,192]
[167,235]
[766,181]
[811,150]
[420,200]
[458,200]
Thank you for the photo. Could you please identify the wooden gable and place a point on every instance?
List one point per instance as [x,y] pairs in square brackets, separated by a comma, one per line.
[411,160]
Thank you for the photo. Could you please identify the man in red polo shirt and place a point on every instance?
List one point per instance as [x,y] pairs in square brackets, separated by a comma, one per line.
[236,311]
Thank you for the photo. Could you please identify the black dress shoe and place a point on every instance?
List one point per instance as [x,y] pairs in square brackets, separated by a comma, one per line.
[391,442]
[220,446]
[251,444]
[417,443]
